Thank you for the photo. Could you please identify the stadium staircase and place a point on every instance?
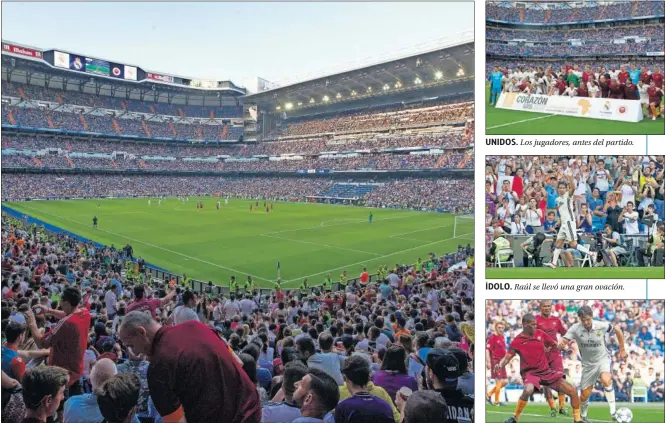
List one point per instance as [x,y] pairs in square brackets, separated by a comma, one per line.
[60,100]
[199,132]
[123,105]
[50,121]
[142,164]
[548,15]
[37,161]
[145,126]
[439,162]
[465,160]
[69,146]
[115,165]
[348,191]
[573,16]
[212,114]
[21,93]
[602,10]
[225,129]
[635,5]
[180,112]
[71,163]
[84,124]
[172,127]
[521,15]
[116,126]
[152,109]
[11,118]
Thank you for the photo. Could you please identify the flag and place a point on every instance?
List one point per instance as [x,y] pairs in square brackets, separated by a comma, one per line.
[277,265]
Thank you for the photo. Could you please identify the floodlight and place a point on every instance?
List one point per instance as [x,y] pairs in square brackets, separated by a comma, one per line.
[460,71]
[288,106]
[438,74]
[386,87]
[311,100]
[326,98]
[418,81]
[278,107]
[338,96]
[353,93]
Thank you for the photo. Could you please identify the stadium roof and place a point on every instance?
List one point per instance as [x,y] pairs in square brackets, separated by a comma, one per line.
[33,65]
[447,65]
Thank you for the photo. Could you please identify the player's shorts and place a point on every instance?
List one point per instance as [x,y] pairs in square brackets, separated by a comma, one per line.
[555,360]
[591,372]
[549,377]
[498,374]
[567,232]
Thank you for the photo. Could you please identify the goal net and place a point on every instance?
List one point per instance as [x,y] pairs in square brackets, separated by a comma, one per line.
[464,227]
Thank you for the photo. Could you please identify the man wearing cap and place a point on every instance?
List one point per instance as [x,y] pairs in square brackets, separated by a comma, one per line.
[443,371]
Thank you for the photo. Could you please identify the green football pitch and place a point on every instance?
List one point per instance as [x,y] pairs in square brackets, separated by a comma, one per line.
[309,240]
[502,122]
[576,273]
[598,413]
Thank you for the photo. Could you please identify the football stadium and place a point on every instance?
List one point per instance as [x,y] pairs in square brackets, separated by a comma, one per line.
[322,228]
[628,336]
[570,68]
[570,217]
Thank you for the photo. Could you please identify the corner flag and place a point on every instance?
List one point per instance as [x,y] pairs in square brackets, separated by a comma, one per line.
[278,269]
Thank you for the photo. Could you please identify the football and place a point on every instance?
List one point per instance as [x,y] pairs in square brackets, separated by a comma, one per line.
[624,415]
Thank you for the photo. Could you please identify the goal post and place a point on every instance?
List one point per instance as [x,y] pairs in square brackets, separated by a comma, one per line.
[464,227]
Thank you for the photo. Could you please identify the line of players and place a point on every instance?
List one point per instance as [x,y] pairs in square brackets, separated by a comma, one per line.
[541,362]
[629,83]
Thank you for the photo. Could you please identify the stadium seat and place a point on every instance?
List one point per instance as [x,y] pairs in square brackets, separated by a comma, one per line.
[640,392]
[511,257]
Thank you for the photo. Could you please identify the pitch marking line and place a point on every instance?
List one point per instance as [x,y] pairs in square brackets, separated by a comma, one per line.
[520,121]
[320,245]
[372,259]
[151,245]
[419,230]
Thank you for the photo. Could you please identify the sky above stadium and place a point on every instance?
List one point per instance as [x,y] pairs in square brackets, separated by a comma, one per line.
[236,41]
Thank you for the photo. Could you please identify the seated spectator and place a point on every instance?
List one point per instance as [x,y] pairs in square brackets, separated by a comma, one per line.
[424,407]
[316,394]
[326,360]
[393,374]
[286,410]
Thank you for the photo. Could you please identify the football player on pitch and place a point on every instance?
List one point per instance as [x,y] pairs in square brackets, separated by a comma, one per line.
[496,350]
[596,361]
[552,326]
[531,345]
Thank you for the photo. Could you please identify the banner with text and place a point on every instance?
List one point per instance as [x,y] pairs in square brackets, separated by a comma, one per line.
[594,108]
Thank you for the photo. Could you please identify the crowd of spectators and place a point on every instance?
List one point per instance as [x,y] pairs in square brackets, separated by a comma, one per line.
[640,321]
[384,161]
[620,196]
[400,117]
[565,49]
[450,194]
[565,14]
[446,139]
[69,97]
[412,193]
[105,344]
[650,31]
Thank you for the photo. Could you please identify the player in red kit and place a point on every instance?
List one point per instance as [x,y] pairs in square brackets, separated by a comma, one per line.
[552,326]
[495,351]
[630,91]
[604,86]
[623,75]
[616,89]
[531,345]
[582,90]
[655,99]
[657,77]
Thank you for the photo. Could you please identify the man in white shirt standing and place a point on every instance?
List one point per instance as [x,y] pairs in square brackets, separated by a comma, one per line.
[111,302]
[187,311]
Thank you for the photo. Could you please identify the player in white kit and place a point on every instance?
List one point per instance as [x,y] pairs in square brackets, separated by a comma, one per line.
[568,229]
[590,337]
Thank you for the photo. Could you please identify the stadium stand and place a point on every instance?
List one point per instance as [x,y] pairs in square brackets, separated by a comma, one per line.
[412,149]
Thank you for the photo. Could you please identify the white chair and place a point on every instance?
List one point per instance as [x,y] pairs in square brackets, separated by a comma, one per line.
[505,251]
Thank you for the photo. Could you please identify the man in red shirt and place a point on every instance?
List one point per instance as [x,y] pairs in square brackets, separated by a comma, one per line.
[193,375]
[616,89]
[531,345]
[657,77]
[604,85]
[12,363]
[67,340]
[552,326]
[645,76]
[143,304]
[630,91]
[655,99]
[364,277]
[582,90]
[623,75]
[496,350]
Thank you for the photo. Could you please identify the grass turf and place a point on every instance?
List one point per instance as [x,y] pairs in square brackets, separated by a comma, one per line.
[502,121]
[598,412]
[309,240]
[576,273]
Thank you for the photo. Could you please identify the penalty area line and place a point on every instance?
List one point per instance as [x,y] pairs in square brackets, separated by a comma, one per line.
[520,121]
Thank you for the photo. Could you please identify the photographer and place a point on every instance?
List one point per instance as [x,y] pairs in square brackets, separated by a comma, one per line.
[531,248]
[654,247]
[612,245]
